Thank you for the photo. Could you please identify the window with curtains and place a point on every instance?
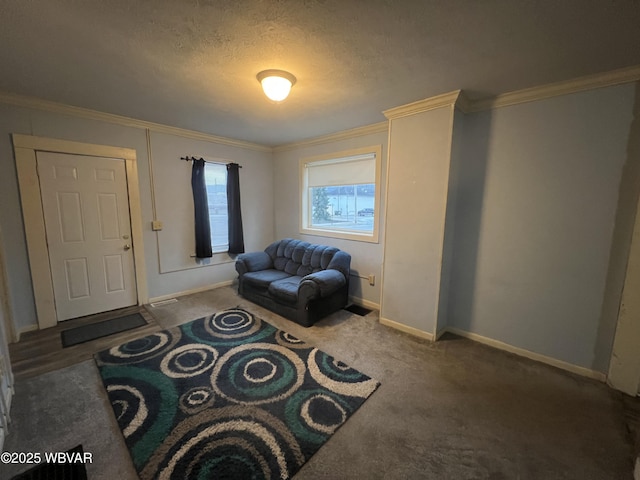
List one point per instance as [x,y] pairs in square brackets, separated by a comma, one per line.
[215,176]
[340,194]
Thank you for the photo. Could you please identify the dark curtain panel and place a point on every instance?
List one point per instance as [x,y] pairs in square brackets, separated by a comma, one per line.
[201,208]
[236,237]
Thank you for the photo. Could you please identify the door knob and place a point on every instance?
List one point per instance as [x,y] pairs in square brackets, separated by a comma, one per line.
[127,246]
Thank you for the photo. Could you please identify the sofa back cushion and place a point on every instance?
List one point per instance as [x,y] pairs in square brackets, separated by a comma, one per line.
[299,258]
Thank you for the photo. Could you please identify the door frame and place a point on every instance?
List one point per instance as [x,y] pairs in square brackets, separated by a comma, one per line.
[25,148]
[624,367]
[5,302]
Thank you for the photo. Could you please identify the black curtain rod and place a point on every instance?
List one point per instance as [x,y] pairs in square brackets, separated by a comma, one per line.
[188,159]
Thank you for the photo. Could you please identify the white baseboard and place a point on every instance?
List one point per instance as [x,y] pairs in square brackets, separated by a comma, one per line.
[407,329]
[28,328]
[364,303]
[440,332]
[554,362]
[636,471]
[213,286]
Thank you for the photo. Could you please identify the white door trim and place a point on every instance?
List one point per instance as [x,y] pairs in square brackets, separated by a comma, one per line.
[25,147]
[5,302]
[624,368]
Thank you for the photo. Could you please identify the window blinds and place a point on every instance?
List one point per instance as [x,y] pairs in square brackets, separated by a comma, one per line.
[357,170]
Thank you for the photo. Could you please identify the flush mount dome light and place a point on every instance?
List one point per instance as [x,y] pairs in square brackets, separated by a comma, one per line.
[276,84]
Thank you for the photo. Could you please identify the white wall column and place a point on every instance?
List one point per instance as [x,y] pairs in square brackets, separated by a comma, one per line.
[419,165]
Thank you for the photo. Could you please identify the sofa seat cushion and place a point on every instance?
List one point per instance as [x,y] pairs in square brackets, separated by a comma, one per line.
[285,289]
[263,278]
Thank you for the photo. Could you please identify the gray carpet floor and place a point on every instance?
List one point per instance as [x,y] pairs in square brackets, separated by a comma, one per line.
[453,409]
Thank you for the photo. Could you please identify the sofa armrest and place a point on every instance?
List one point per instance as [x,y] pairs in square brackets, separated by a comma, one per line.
[253,262]
[341,261]
[320,284]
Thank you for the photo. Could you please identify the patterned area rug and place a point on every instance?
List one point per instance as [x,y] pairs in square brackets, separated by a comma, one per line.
[227,396]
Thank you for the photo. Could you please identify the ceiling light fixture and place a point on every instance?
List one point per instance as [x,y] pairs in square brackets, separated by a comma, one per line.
[276,84]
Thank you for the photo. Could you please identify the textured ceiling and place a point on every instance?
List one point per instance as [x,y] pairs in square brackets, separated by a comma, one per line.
[192,63]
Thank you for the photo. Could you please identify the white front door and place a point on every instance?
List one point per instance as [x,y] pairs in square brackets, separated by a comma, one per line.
[88,228]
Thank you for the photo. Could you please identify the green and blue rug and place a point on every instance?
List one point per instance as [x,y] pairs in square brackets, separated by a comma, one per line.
[228,397]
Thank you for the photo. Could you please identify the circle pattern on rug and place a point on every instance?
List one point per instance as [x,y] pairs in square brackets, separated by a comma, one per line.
[228,442]
[130,407]
[188,360]
[232,324]
[225,396]
[338,377]
[141,349]
[290,341]
[316,414]
[141,400]
[197,399]
[257,373]
[321,412]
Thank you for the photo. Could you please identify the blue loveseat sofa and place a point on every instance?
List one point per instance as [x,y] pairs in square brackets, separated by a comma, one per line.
[298,280]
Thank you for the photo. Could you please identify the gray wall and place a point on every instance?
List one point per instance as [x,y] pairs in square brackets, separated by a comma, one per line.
[457,145]
[172,194]
[537,198]
[537,195]
[175,269]
[366,258]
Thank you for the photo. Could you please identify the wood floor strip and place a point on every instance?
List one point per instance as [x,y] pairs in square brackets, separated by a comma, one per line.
[41,351]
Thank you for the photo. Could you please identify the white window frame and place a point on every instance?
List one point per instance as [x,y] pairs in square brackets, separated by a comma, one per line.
[217,249]
[305,207]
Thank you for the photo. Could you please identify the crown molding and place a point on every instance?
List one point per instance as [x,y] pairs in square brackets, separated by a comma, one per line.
[466,105]
[589,82]
[463,103]
[456,98]
[381,127]
[39,104]
[442,100]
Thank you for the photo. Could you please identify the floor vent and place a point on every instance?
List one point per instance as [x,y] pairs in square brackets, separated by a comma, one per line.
[163,302]
[358,310]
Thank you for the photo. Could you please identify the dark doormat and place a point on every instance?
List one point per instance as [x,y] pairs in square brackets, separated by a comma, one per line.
[358,310]
[72,469]
[86,333]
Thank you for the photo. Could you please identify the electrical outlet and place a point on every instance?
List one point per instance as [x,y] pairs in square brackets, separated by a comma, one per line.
[156,225]
[372,279]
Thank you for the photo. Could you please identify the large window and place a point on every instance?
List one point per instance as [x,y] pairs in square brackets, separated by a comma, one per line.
[340,194]
[215,175]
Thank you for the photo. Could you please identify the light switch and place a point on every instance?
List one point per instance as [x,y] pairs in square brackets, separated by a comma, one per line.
[156,225]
